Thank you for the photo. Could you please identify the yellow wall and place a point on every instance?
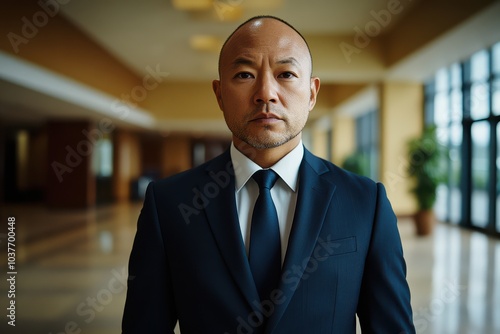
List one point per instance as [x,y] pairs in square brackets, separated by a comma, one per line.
[331,95]
[344,142]
[175,155]
[401,118]
[320,143]
[183,100]
[330,59]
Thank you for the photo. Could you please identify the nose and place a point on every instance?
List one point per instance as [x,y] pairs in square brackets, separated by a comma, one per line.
[266,90]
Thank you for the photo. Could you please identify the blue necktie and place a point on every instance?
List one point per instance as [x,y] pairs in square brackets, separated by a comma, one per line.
[265,247]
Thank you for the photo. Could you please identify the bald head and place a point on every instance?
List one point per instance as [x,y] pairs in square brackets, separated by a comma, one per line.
[259,27]
[266,89]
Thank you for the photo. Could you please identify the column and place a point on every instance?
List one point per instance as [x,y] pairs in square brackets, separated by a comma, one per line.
[70,181]
[401,118]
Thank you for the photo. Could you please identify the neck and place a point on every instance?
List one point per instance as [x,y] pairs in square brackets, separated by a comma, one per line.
[266,157]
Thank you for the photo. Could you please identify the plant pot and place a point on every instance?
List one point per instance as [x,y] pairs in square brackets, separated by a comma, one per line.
[424,222]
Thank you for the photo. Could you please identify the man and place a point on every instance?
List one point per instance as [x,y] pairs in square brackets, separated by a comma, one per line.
[220,252]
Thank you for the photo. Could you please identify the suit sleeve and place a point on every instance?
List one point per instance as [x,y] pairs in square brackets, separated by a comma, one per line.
[384,304]
[149,307]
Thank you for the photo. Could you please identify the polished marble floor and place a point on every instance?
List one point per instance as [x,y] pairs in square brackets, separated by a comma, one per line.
[71,270]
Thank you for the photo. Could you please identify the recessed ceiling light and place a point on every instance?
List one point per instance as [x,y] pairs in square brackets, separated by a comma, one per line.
[192,4]
[264,4]
[229,13]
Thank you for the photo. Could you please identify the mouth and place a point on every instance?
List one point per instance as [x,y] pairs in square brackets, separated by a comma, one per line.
[266,118]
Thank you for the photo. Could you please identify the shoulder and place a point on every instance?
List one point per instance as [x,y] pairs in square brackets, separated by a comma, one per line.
[337,175]
[350,188]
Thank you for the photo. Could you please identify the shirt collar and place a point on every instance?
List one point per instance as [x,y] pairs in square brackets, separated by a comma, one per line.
[287,168]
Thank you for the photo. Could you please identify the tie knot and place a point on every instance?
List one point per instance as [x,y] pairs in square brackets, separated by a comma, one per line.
[265,178]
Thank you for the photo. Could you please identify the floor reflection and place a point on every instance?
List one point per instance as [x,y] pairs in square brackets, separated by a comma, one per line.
[454,280]
[72,271]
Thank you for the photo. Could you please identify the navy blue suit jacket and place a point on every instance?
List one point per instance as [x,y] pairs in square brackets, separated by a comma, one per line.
[344,257]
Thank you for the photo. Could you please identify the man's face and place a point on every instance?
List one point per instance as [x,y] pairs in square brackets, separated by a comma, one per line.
[265,89]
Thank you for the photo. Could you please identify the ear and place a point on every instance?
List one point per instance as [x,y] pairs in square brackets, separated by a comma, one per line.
[315,84]
[217,92]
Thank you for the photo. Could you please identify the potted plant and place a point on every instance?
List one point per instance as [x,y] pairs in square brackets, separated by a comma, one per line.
[425,157]
[357,162]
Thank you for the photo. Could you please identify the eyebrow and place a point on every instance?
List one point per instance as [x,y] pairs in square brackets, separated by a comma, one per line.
[246,61]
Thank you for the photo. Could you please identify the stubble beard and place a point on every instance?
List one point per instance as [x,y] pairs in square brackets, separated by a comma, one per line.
[266,143]
[267,137]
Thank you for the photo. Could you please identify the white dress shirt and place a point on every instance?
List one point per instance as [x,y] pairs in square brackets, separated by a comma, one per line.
[284,193]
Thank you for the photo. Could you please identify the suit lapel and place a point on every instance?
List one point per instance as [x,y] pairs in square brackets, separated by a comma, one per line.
[223,220]
[315,193]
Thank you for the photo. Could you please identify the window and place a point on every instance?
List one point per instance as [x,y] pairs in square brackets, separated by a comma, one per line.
[497,163]
[102,161]
[447,113]
[367,141]
[480,161]
[463,101]
[496,96]
[455,171]
[479,92]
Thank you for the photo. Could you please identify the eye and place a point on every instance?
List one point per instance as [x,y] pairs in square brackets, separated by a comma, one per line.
[243,75]
[287,75]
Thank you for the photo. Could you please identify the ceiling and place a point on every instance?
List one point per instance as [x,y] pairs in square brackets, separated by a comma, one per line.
[37,94]
[141,33]
[152,32]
